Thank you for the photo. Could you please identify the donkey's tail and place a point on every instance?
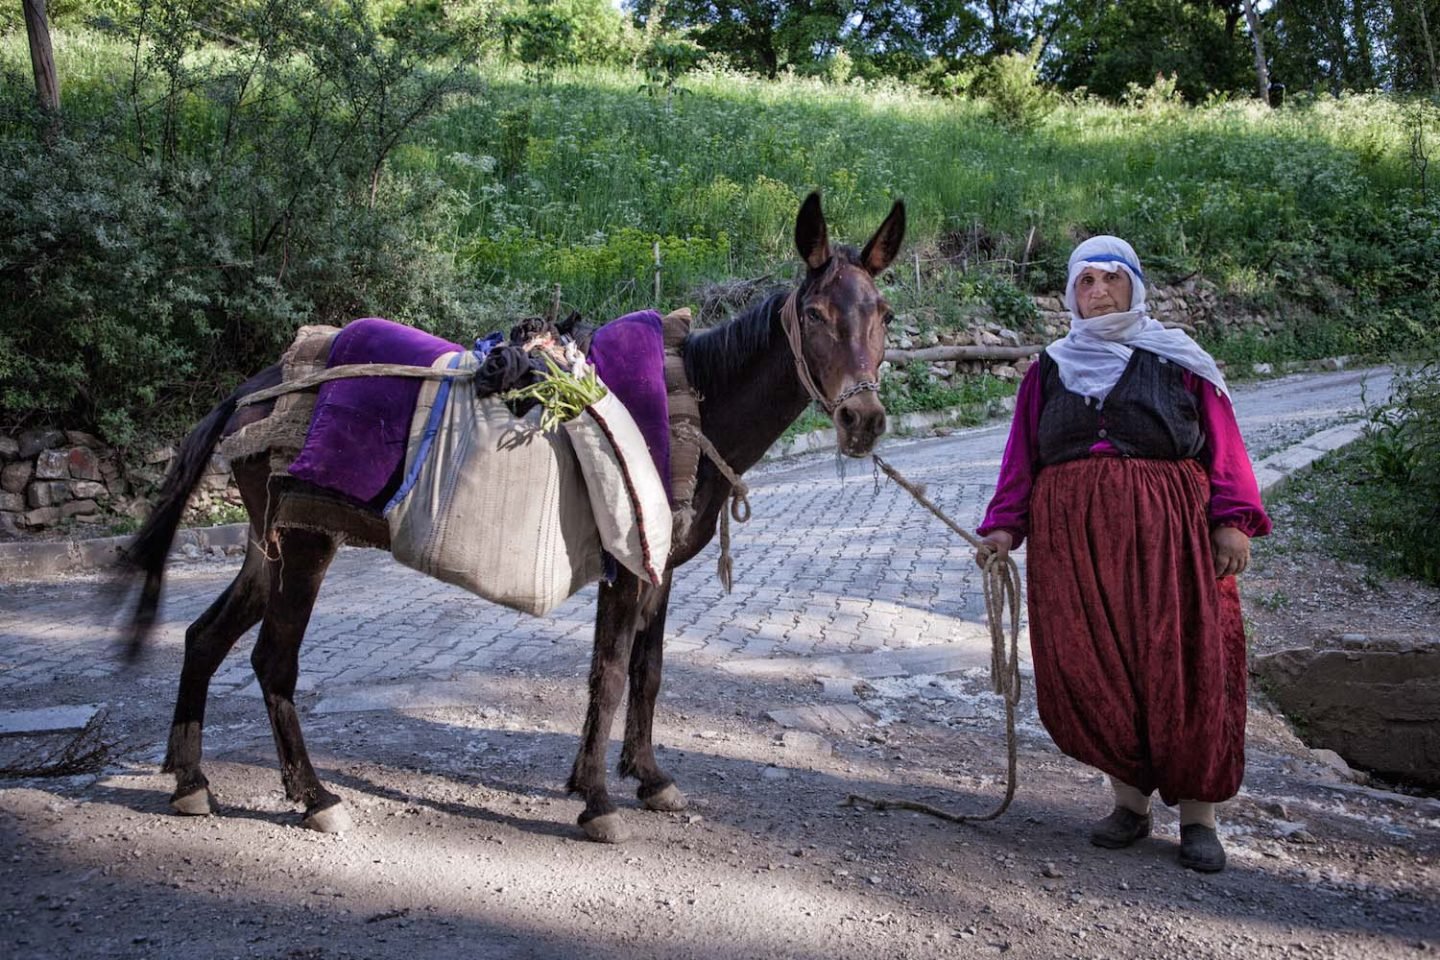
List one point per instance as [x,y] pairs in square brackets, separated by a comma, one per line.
[147,552]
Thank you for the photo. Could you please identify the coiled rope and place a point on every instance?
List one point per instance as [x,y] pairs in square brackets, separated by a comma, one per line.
[1001,583]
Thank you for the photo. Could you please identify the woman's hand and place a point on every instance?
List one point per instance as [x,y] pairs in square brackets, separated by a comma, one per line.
[997,544]
[1232,551]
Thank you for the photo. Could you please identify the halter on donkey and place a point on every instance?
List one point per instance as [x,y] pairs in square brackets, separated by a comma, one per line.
[829,331]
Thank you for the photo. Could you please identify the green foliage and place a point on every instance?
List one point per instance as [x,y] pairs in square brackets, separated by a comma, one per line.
[1011,84]
[1108,47]
[562,394]
[1380,498]
[357,163]
[156,250]
[1403,449]
[911,388]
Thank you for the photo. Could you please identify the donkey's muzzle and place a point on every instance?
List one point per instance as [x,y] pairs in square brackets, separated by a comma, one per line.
[859,423]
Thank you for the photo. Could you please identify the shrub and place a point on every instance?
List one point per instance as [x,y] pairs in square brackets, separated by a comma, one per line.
[1404,478]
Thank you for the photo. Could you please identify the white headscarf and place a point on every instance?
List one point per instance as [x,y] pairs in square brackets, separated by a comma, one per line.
[1095,353]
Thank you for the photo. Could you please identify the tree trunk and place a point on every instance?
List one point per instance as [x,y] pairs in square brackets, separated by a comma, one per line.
[1429,46]
[1262,73]
[42,58]
[1364,63]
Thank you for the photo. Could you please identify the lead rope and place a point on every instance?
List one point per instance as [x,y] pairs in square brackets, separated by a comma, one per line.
[1001,582]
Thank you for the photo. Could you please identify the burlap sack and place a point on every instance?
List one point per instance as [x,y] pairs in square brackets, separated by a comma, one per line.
[631,507]
[492,503]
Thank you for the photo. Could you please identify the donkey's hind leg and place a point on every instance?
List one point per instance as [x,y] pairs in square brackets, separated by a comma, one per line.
[295,578]
[637,758]
[207,641]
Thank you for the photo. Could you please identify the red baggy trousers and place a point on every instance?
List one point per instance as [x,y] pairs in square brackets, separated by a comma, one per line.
[1139,651]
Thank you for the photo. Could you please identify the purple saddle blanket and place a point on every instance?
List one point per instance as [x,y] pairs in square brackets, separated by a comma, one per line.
[358,435]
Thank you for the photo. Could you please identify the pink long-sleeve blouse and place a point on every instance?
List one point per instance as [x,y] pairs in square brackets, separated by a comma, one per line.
[1234,494]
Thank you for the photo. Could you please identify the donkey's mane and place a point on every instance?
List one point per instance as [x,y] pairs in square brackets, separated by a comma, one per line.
[717,354]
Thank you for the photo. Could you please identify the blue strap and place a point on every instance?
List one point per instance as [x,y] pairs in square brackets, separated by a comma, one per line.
[432,427]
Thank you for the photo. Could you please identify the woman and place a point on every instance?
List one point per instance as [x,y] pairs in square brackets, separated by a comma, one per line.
[1126,470]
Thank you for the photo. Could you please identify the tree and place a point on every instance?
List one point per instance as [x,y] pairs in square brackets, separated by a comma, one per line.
[1105,47]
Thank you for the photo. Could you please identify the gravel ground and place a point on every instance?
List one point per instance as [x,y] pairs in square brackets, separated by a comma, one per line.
[465,844]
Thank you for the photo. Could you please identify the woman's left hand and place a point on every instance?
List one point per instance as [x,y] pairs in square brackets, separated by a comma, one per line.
[1232,551]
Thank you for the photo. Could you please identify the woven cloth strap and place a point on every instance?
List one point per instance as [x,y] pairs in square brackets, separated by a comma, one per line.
[684,405]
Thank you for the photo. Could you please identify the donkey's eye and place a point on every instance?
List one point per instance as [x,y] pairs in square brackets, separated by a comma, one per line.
[813,316]
[889,318]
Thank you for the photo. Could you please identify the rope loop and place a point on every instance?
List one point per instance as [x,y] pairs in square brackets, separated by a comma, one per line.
[1000,581]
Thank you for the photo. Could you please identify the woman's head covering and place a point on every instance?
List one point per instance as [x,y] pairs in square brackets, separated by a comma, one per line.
[1095,352]
[1109,254]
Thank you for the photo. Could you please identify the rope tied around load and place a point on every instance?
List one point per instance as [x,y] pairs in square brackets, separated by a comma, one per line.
[1001,586]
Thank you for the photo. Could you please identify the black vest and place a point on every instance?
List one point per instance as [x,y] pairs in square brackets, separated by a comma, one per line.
[1148,413]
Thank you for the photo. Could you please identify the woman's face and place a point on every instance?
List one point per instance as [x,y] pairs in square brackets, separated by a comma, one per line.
[1098,292]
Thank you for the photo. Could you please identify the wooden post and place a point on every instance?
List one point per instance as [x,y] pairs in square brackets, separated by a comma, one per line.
[42,57]
[657,274]
[917,273]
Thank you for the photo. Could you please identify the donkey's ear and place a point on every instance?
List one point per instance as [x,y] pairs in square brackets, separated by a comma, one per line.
[884,247]
[811,239]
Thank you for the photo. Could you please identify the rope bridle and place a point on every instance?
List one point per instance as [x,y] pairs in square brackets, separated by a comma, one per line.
[790,320]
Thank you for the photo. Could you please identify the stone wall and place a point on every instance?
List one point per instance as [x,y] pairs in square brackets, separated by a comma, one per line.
[66,480]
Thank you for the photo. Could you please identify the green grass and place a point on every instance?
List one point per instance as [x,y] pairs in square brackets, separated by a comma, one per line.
[1310,213]
[1353,511]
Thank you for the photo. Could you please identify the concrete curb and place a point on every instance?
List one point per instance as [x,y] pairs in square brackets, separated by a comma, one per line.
[1275,471]
[40,560]
[905,423]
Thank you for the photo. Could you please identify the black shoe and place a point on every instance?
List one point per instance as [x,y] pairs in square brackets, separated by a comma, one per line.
[1122,828]
[1200,848]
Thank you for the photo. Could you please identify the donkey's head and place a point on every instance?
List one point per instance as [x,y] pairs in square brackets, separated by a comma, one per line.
[836,323]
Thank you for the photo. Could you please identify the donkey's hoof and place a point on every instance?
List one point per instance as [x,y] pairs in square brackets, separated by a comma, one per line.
[332,819]
[668,799]
[196,803]
[606,828]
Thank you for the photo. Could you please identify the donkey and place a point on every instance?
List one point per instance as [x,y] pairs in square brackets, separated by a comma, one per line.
[823,340]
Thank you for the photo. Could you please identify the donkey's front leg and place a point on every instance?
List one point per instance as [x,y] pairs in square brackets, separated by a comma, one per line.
[614,633]
[637,759]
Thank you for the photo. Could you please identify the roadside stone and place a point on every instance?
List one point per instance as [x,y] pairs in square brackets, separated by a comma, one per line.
[9,525]
[88,490]
[1376,708]
[837,688]
[79,438]
[160,455]
[77,508]
[807,743]
[9,448]
[52,465]
[1335,762]
[33,441]
[83,464]
[12,502]
[41,517]
[774,773]
[47,493]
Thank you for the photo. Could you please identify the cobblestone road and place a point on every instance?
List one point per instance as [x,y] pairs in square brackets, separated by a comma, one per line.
[834,575]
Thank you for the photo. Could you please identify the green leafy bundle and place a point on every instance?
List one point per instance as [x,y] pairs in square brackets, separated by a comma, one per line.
[562,395]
